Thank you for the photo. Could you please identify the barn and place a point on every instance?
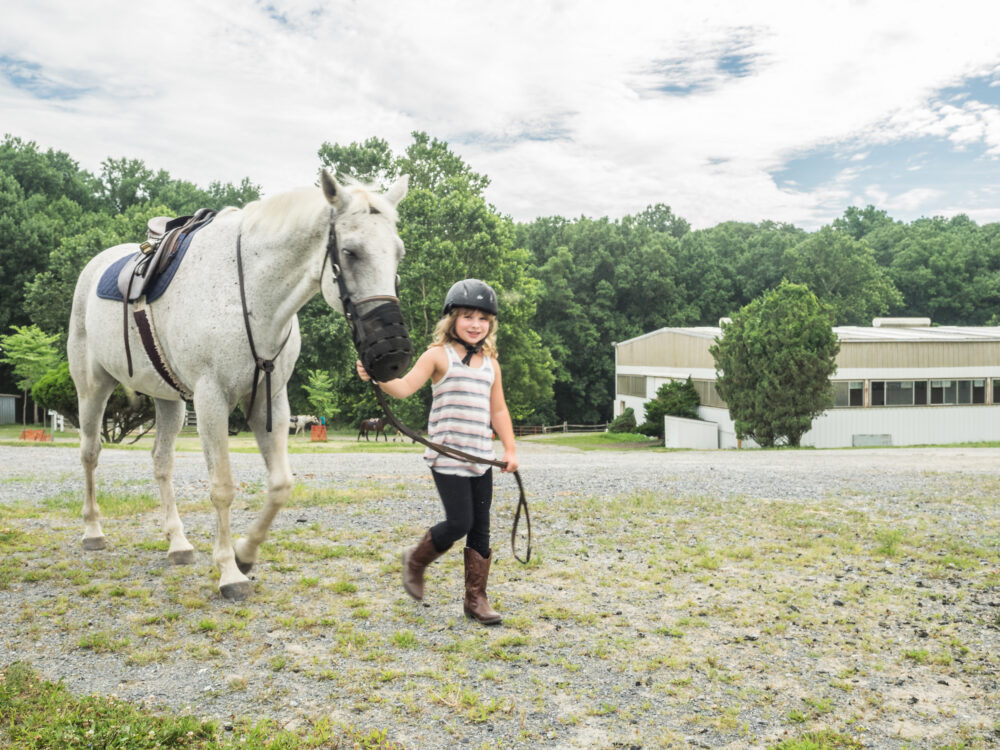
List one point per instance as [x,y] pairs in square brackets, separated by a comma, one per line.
[901,381]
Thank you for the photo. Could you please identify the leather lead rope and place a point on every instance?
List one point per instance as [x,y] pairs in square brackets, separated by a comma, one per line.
[260,364]
[522,502]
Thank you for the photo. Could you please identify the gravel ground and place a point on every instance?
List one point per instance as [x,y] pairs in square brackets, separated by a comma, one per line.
[677,599]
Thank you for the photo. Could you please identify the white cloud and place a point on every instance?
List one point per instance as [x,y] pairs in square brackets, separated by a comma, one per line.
[564,105]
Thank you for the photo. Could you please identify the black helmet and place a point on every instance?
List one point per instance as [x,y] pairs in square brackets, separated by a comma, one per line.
[472,293]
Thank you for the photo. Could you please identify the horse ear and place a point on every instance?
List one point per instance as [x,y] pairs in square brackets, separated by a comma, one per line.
[333,190]
[397,191]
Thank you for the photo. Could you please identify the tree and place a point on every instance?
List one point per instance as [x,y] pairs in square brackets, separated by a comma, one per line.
[126,411]
[773,365]
[449,232]
[844,275]
[31,353]
[321,394]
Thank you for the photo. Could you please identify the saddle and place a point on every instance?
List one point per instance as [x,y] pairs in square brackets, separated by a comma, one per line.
[155,254]
[166,240]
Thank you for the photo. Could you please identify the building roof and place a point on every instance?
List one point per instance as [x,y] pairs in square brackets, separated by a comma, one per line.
[886,332]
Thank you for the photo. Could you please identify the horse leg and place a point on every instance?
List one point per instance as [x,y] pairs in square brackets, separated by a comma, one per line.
[274,449]
[92,402]
[169,420]
[213,429]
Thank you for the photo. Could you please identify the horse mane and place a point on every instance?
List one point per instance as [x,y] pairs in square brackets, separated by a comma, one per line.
[281,212]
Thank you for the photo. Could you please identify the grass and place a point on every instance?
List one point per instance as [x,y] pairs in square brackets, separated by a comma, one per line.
[643,619]
[598,440]
[35,713]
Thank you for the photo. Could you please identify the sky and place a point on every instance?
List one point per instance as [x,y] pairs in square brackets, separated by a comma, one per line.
[728,110]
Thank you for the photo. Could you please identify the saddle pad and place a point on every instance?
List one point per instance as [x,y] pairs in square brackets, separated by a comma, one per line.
[107,288]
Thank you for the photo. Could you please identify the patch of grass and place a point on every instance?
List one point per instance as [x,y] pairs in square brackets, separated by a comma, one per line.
[825,740]
[589,441]
[38,714]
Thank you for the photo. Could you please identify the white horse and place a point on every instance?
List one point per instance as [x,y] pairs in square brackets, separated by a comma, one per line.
[340,240]
[299,422]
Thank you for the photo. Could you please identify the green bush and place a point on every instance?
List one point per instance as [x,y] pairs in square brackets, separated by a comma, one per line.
[624,422]
[125,412]
[677,398]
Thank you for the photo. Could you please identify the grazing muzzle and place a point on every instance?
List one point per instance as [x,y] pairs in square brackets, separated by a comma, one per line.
[381,338]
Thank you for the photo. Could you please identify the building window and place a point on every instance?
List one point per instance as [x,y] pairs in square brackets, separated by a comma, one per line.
[944,391]
[632,385]
[979,391]
[848,393]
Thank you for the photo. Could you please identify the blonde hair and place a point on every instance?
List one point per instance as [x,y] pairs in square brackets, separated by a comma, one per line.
[444,331]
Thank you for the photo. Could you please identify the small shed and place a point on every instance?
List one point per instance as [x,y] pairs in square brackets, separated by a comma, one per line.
[8,408]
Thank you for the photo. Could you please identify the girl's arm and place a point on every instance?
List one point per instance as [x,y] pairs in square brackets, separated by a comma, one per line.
[500,417]
[433,363]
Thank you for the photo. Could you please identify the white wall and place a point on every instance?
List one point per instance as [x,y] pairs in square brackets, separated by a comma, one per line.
[679,432]
[910,425]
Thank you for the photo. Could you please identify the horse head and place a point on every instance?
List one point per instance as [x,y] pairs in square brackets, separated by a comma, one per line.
[363,252]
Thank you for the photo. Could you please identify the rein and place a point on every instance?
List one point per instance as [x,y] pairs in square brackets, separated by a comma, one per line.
[522,502]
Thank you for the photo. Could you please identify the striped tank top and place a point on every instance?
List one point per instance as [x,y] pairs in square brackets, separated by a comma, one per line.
[460,416]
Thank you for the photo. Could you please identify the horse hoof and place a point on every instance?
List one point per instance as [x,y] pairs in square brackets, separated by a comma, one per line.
[181,557]
[236,592]
[244,567]
[94,542]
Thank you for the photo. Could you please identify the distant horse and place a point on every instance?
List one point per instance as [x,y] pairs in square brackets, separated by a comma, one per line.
[235,297]
[299,422]
[373,425]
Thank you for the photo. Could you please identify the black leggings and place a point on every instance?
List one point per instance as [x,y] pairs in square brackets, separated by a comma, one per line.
[467,502]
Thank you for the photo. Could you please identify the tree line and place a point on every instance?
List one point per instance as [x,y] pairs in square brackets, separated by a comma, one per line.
[568,288]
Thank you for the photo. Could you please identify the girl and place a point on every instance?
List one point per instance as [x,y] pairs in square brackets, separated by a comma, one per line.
[468,406]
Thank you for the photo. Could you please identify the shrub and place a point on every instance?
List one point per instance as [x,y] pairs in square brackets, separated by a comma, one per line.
[677,398]
[624,422]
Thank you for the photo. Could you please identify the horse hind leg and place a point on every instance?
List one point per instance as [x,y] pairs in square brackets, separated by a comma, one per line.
[93,397]
[169,420]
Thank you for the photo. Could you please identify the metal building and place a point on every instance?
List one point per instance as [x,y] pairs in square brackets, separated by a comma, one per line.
[8,408]
[899,382]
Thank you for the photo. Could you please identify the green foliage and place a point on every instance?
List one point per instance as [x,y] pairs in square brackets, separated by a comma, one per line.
[321,394]
[55,390]
[449,232]
[624,422]
[676,398]
[774,362]
[31,352]
[127,412]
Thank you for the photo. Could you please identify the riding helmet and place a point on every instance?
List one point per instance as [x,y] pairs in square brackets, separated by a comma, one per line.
[472,293]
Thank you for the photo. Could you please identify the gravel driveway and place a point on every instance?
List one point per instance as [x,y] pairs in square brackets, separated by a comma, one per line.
[676,599]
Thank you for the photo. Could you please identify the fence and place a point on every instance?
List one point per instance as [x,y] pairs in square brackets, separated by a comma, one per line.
[520,430]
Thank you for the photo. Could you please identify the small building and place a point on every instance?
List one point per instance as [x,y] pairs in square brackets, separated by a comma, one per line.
[901,381]
[8,408]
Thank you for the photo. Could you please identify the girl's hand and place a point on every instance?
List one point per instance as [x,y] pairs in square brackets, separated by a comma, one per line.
[510,458]
[362,372]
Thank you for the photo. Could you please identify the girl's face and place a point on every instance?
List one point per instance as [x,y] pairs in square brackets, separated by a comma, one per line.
[472,326]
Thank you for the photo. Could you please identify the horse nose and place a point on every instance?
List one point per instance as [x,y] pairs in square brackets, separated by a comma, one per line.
[390,365]
[382,339]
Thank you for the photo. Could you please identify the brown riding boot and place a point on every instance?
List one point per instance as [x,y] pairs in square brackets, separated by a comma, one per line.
[415,561]
[477,571]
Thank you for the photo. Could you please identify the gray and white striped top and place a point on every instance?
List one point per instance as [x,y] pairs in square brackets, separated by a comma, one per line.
[460,416]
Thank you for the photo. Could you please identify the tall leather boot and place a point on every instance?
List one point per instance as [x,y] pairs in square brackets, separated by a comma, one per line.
[415,561]
[477,571]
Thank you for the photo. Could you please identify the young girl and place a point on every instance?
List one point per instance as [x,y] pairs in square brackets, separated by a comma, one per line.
[468,407]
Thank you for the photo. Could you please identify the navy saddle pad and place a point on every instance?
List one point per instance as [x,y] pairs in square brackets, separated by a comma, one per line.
[108,286]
